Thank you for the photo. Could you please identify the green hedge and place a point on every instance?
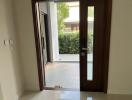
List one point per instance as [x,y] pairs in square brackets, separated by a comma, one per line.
[69,43]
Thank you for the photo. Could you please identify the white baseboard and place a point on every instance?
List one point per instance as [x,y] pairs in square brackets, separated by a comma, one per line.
[112,91]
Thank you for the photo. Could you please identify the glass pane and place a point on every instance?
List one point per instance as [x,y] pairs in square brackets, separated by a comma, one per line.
[90,43]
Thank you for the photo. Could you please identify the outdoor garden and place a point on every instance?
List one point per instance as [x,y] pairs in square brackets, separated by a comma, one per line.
[69,41]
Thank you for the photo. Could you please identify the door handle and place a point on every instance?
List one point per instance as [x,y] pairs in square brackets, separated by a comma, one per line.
[85,49]
[83,53]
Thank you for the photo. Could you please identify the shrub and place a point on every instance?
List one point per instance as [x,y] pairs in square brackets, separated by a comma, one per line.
[69,43]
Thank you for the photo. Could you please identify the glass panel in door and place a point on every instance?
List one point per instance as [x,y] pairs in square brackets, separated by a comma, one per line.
[90,38]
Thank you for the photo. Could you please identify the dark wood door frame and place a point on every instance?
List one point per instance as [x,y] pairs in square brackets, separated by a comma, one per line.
[108,10]
[108,16]
[38,44]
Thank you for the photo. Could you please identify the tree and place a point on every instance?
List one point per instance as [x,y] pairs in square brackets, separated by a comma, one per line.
[62,13]
[91,11]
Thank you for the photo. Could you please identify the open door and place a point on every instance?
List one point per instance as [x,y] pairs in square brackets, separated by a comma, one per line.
[93,67]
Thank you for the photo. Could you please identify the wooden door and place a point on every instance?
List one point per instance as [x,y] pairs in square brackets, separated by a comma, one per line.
[93,47]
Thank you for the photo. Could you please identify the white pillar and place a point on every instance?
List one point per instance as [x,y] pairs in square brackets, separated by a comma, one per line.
[54,30]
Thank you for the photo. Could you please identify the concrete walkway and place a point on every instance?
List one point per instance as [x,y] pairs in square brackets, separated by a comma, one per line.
[65,75]
[72,57]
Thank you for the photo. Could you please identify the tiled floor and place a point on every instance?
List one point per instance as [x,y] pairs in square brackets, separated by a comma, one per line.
[65,75]
[72,95]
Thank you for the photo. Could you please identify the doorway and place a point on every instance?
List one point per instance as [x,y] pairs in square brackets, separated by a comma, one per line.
[94,38]
[62,71]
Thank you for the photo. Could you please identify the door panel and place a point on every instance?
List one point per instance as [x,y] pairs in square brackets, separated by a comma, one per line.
[92,17]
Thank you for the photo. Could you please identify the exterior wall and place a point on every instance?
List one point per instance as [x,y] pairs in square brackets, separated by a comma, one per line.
[45,7]
[10,75]
[52,11]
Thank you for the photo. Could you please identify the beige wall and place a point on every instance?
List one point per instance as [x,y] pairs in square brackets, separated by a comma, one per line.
[25,31]
[10,75]
[120,68]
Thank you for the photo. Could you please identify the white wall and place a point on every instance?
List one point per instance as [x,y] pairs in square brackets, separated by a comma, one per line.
[10,75]
[52,11]
[25,31]
[120,68]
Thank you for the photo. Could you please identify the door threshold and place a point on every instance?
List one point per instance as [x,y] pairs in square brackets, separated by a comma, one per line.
[67,61]
[61,89]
